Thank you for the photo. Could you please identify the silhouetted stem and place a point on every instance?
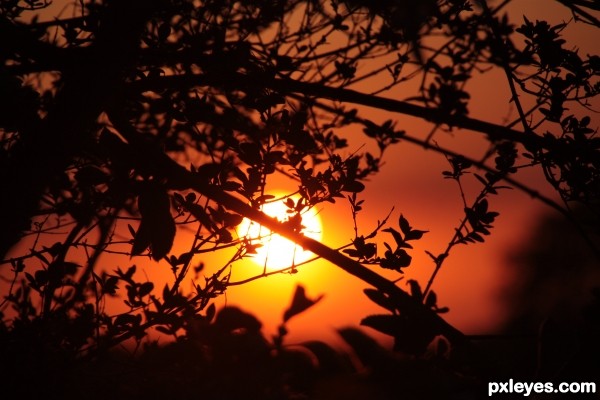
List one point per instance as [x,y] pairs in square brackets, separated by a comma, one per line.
[504,57]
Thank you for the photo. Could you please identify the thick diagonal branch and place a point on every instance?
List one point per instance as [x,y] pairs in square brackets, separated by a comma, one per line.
[179,178]
[284,87]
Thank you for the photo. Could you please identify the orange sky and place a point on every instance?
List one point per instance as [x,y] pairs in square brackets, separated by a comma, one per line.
[411,181]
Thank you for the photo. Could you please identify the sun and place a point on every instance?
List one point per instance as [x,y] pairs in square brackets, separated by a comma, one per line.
[277,252]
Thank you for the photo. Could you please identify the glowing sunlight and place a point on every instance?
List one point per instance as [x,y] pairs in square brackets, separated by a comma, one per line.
[274,251]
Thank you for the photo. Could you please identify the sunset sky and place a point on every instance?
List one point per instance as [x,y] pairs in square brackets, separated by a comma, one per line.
[411,183]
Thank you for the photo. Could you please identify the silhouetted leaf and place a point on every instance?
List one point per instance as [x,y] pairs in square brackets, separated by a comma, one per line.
[41,277]
[127,276]
[380,299]
[396,260]
[477,237]
[157,227]
[190,197]
[232,219]
[250,153]
[404,225]
[231,319]
[128,319]
[164,30]
[162,239]
[110,285]
[329,361]
[142,239]
[199,213]
[384,323]
[415,290]
[224,236]
[351,252]
[208,171]
[369,351]
[431,300]
[264,198]
[300,303]
[231,186]
[131,230]
[397,236]
[210,312]
[411,335]
[415,234]
[145,288]
[353,186]
[32,280]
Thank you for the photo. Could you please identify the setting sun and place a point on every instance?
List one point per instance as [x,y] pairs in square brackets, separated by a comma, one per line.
[319,199]
[275,251]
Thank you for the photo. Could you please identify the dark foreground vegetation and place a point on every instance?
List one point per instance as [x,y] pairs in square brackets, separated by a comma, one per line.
[124,123]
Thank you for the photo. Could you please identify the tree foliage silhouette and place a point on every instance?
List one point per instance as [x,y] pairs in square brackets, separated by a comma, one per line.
[147,116]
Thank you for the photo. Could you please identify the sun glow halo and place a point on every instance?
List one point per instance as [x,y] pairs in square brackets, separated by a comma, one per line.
[276,251]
